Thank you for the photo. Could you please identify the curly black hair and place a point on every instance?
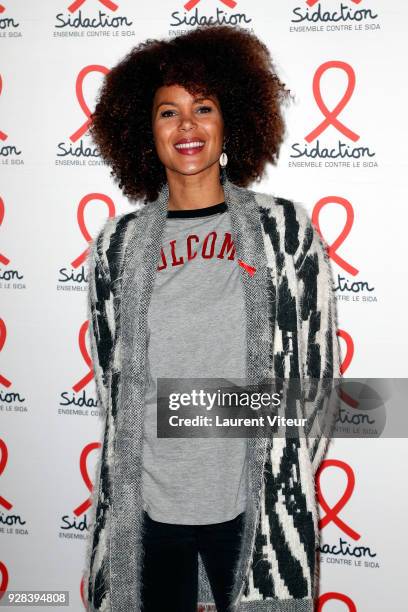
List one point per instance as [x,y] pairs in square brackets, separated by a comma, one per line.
[226,61]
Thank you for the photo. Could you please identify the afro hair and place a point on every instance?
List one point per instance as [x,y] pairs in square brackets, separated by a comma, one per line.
[226,61]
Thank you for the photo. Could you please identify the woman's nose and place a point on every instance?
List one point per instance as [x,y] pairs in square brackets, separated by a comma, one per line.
[187,120]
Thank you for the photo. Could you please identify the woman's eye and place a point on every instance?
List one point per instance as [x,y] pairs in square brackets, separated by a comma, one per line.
[170,113]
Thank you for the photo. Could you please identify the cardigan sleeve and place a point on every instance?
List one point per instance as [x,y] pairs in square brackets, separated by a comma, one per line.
[319,342]
[101,318]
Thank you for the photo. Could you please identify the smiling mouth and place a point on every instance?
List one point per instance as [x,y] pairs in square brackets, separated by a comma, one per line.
[190,148]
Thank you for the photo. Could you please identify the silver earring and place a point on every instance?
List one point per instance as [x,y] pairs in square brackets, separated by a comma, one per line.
[223,158]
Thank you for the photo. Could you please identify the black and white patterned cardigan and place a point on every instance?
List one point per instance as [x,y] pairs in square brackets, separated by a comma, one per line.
[291,324]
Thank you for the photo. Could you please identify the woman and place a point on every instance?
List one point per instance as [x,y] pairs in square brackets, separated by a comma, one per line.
[211,279]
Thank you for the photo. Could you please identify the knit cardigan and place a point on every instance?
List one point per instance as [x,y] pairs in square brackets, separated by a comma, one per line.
[291,332]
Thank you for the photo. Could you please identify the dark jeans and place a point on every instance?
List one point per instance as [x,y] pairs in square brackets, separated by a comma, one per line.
[170,567]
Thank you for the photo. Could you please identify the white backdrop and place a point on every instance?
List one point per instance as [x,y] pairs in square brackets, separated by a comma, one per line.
[52,58]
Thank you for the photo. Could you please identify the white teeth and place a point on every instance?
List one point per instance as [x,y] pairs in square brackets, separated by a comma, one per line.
[189,145]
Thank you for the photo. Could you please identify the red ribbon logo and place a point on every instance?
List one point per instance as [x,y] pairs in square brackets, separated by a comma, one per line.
[192,3]
[345,397]
[3,461]
[331,251]
[3,335]
[78,3]
[313,2]
[85,476]
[349,349]
[84,352]
[80,97]
[250,269]
[3,136]
[82,591]
[3,259]
[339,597]
[81,221]
[331,116]
[4,579]
[332,513]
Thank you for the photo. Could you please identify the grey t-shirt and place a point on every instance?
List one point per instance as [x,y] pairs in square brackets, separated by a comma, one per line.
[197,328]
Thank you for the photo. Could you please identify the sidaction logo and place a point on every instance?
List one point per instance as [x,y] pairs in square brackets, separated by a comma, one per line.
[11,523]
[345,551]
[316,16]
[8,24]
[346,289]
[77,152]
[76,401]
[10,278]
[75,523]
[74,277]
[96,18]
[9,152]
[342,154]
[195,13]
[10,399]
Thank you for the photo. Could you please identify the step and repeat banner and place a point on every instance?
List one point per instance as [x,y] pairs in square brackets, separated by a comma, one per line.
[344,158]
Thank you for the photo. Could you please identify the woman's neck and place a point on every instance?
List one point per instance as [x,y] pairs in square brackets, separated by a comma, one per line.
[194,191]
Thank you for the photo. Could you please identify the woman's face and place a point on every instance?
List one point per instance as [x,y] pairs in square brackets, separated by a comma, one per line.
[188,130]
